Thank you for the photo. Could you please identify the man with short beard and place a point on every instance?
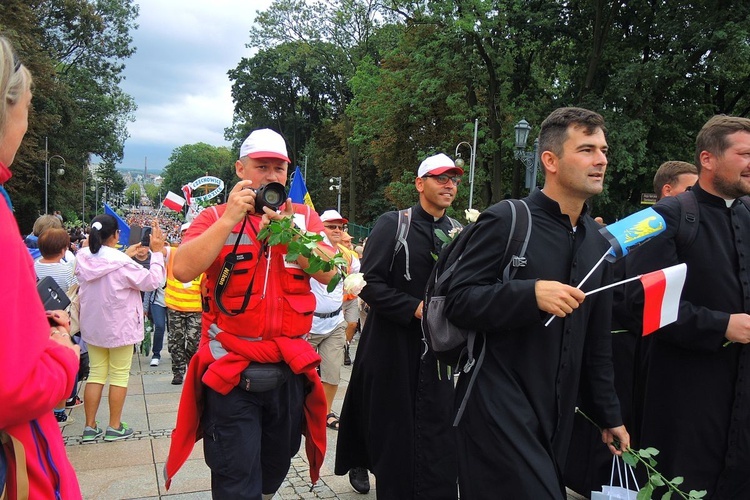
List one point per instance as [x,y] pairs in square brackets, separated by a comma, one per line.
[696,408]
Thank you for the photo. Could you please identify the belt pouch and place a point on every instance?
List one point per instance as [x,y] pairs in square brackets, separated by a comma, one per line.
[262,377]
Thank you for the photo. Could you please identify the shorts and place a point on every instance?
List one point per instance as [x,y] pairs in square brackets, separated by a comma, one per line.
[110,362]
[351,310]
[330,346]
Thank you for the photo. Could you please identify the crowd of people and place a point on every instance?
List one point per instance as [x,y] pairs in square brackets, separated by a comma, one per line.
[258,338]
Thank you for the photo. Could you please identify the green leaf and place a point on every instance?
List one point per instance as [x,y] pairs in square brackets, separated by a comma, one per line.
[442,236]
[291,256]
[652,451]
[697,494]
[645,492]
[678,480]
[629,458]
[334,281]
[656,479]
[667,495]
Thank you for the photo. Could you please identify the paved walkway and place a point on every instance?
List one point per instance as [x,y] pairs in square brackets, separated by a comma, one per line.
[133,468]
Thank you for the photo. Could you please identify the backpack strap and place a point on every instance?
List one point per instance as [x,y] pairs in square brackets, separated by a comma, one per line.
[518,242]
[687,229]
[402,231]
[9,443]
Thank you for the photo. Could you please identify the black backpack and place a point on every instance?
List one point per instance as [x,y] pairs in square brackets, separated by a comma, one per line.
[449,343]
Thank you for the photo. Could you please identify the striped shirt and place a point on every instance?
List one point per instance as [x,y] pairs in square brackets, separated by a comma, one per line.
[61,272]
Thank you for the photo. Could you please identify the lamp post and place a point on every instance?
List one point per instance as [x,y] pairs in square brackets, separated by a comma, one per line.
[530,159]
[337,187]
[472,160]
[60,171]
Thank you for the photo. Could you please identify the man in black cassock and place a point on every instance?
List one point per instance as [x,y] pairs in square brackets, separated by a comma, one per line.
[696,405]
[396,416]
[513,438]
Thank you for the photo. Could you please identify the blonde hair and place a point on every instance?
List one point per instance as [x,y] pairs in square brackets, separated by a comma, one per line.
[15,80]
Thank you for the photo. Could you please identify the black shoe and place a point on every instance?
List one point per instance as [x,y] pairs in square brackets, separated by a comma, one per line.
[177,379]
[359,479]
[347,357]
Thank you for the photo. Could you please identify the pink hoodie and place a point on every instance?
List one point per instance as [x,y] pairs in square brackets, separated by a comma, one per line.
[36,373]
[110,285]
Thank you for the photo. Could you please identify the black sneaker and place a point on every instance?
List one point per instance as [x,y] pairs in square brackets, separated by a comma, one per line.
[360,480]
[347,357]
[177,379]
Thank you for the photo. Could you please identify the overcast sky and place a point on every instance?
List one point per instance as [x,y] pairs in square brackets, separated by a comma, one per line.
[178,74]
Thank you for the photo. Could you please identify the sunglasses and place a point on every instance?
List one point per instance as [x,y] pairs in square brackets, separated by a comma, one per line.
[332,227]
[443,179]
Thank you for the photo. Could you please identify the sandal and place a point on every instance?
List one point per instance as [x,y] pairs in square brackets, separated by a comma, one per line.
[332,424]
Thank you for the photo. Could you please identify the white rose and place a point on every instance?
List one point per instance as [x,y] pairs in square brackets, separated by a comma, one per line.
[454,232]
[354,283]
[471,214]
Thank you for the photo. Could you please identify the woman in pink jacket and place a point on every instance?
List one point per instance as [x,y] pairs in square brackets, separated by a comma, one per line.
[111,317]
[38,362]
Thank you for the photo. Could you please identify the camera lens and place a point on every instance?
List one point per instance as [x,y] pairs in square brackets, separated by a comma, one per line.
[270,195]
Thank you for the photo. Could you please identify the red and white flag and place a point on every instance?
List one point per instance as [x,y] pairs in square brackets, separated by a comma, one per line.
[174,201]
[188,192]
[662,290]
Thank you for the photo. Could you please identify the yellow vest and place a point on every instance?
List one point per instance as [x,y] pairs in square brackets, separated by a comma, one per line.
[178,296]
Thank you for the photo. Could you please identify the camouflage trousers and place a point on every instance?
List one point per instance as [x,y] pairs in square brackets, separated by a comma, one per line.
[184,332]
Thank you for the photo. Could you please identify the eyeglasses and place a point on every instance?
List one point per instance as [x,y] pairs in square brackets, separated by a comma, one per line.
[443,179]
[333,227]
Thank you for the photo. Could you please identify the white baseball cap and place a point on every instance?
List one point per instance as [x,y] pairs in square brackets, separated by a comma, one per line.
[331,215]
[264,143]
[436,165]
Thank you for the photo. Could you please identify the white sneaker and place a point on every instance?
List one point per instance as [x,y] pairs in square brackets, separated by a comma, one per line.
[154,361]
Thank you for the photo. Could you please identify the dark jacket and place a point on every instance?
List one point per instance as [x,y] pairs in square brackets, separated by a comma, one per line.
[396,417]
[696,407]
[514,435]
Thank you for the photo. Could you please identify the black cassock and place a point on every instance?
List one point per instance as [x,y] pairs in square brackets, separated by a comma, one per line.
[514,436]
[397,414]
[696,406]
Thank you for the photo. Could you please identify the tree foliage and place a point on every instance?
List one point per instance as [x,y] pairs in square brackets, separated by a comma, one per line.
[75,51]
[188,162]
[399,80]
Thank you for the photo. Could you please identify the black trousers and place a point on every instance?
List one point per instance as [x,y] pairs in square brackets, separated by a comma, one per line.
[249,438]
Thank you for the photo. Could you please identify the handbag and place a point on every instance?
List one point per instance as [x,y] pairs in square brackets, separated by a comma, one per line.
[53,297]
[622,492]
[75,309]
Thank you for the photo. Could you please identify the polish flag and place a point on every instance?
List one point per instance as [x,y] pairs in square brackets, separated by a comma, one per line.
[662,290]
[174,201]
[188,192]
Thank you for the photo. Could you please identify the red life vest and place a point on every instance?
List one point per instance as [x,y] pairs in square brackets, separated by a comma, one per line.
[280,303]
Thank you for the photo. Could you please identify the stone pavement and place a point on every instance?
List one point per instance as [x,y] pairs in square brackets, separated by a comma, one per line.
[133,468]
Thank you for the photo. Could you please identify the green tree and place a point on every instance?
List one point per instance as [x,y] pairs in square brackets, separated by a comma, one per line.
[191,161]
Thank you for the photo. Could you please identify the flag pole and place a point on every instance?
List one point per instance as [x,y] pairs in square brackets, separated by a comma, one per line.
[159,211]
[597,290]
[552,316]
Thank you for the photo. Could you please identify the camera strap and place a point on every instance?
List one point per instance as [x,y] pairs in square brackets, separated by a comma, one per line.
[227,269]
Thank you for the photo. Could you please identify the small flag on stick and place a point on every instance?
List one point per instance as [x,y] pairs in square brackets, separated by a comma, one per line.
[662,290]
[174,201]
[632,231]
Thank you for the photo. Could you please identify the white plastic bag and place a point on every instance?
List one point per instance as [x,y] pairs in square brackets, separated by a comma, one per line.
[622,492]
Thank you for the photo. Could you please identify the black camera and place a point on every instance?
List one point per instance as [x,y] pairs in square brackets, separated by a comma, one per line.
[271,195]
[146,236]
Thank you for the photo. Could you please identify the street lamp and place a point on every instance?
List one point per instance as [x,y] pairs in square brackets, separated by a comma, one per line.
[472,160]
[530,159]
[60,171]
[337,187]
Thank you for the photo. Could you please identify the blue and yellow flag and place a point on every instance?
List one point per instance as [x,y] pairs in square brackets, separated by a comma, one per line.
[298,190]
[122,243]
[632,231]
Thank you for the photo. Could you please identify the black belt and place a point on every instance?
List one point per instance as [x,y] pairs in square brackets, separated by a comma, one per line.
[327,315]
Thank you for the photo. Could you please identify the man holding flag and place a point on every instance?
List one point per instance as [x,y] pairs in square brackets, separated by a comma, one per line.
[696,403]
[515,431]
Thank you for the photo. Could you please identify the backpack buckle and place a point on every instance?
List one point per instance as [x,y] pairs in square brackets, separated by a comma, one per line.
[517,261]
[469,365]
